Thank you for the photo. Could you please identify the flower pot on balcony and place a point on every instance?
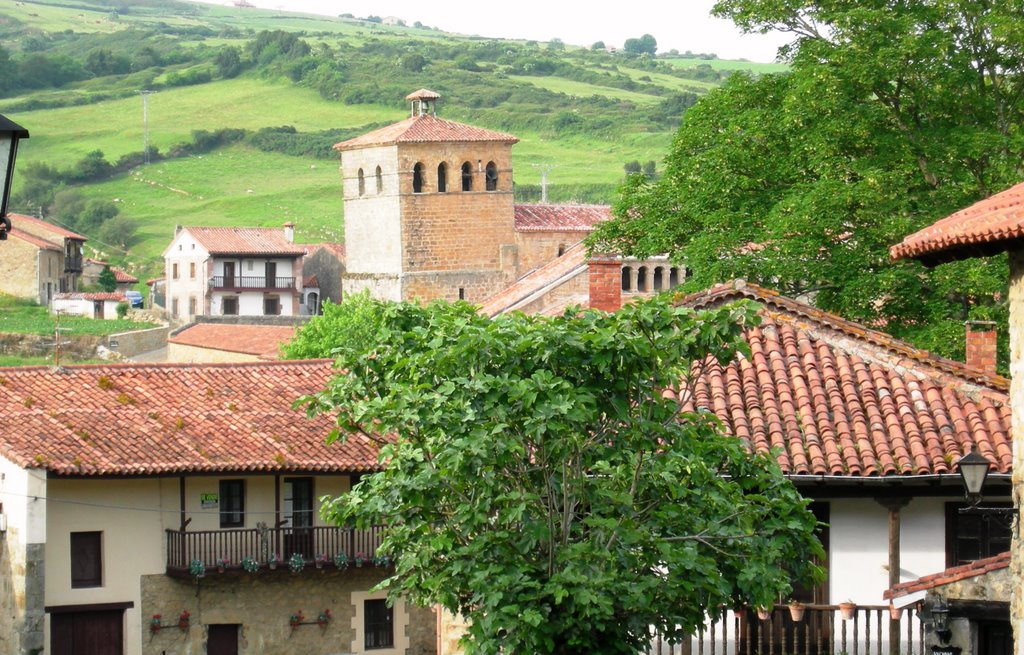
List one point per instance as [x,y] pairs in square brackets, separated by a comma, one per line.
[796,610]
[847,610]
[740,611]
[895,613]
[764,613]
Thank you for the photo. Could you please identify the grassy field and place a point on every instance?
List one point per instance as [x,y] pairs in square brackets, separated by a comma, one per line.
[19,316]
[584,90]
[728,65]
[116,128]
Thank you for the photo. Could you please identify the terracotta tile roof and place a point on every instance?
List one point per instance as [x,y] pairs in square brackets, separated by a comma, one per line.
[38,242]
[950,575]
[123,278]
[560,218]
[244,241]
[423,129]
[336,249]
[90,260]
[115,296]
[35,225]
[310,281]
[839,399]
[986,227]
[132,419]
[153,280]
[537,282]
[256,340]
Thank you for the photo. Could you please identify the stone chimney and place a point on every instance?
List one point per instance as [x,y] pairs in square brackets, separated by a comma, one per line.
[605,272]
[289,232]
[981,346]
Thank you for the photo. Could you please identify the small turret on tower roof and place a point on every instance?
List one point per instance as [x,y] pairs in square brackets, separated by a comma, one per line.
[423,102]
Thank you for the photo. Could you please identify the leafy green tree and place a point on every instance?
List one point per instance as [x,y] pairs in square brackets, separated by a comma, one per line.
[539,482]
[66,207]
[94,214]
[893,115]
[228,62]
[106,280]
[597,45]
[119,231]
[646,44]
[353,324]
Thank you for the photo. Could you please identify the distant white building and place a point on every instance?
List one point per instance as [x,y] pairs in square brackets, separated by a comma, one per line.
[225,271]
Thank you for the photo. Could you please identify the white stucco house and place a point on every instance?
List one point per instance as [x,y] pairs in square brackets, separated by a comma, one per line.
[223,271]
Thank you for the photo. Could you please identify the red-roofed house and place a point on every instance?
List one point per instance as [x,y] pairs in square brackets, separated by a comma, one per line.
[868,428]
[225,271]
[41,259]
[123,487]
[100,305]
[224,342]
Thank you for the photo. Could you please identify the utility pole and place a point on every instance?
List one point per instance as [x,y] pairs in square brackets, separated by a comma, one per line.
[544,170]
[145,124]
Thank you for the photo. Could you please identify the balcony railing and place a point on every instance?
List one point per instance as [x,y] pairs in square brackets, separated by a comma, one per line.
[821,631]
[252,282]
[72,264]
[212,546]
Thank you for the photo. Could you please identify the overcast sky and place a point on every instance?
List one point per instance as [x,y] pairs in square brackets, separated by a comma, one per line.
[680,24]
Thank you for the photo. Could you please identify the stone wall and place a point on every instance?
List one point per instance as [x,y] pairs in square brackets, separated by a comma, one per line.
[1017,421]
[31,345]
[539,248]
[574,291]
[262,604]
[136,342]
[18,269]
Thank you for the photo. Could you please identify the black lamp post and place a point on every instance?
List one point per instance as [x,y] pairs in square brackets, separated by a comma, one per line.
[10,134]
[973,468]
[940,622]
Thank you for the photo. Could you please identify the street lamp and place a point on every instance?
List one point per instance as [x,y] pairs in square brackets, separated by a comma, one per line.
[973,468]
[940,622]
[10,134]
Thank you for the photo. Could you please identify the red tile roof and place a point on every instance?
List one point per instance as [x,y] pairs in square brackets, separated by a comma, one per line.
[986,227]
[537,282]
[424,129]
[123,278]
[310,282]
[35,224]
[950,575]
[114,296]
[560,218]
[38,242]
[244,241]
[259,340]
[132,419]
[839,399]
[336,249]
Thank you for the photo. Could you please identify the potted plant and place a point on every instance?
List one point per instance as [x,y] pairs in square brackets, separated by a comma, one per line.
[895,613]
[183,619]
[796,610]
[341,561]
[847,609]
[740,611]
[197,568]
[382,561]
[222,564]
[250,565]
[154,623]
[323,618]
[321,560]
[296,563]
[273,561]
[296,619]
[764,613]
[359,559]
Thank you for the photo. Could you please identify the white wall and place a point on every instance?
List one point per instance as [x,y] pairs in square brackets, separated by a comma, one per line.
[373,234]
[184,250]
[859,546]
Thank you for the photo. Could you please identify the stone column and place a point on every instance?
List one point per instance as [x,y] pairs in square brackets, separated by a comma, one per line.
[1016,257]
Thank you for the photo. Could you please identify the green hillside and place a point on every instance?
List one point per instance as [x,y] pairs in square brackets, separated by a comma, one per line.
[245,104]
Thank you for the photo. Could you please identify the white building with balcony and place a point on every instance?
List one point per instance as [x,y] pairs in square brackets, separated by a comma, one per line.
[226,271]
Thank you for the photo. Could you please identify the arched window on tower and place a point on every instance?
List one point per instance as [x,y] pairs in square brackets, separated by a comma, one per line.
[417,178]
[491,174]
[442,177]
[380,181]
[467,176]
[362,183]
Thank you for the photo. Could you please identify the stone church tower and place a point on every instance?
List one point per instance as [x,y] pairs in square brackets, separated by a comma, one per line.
[428,208]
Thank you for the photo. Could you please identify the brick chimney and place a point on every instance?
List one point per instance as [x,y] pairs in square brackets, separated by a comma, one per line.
[605,272]
[981,346]
[289,232]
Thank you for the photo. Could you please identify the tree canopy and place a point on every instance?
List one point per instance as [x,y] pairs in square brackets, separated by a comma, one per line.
[893,115]
[538,480]
[646,44]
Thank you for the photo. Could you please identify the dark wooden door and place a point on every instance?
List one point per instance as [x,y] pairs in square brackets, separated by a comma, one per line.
[87,633]
[271,274]
[222,640]
[229,275]
[995,638]
[298,504]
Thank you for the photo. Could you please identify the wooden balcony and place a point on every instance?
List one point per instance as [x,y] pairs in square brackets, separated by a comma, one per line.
[821,631]
[213,546]
[252,283]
